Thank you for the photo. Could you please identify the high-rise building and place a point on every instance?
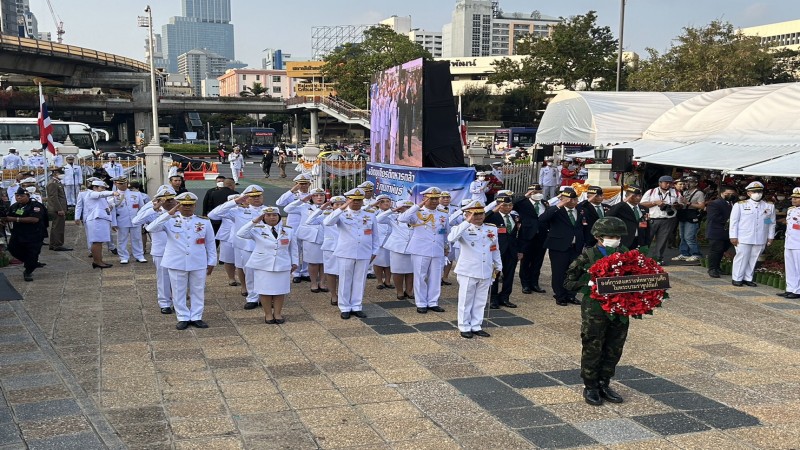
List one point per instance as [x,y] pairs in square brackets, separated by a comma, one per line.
[199,65]
[16,19]
[777,36]
[275,58]
[429,40]
[507,29]
[400,25]
[214,11]
[44,36]
[471,28]
[205,24]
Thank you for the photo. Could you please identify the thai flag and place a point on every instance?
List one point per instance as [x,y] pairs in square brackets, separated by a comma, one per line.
[45,125]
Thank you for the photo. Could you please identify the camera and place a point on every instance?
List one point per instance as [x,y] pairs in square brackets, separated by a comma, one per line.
[668,210]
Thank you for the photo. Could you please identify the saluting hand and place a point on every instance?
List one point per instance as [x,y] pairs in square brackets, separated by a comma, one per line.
[296,187]
[239,200]
[174,209]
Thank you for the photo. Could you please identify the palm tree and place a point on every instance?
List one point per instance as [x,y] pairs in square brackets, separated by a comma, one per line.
[257,90]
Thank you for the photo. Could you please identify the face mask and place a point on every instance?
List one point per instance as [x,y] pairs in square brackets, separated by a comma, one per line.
[756,196]
[731,198]
[220,184]
[60,177]
[537,197]
[481,178]
[611,243]
[31,189]
[780,197]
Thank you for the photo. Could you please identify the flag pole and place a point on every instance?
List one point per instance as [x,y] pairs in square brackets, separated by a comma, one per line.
[42,137]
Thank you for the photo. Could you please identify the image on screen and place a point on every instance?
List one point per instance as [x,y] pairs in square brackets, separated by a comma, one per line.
[396,121]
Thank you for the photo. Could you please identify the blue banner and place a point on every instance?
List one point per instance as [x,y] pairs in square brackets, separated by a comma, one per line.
[402,182]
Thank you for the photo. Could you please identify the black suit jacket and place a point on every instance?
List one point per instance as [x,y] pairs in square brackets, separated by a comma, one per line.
[719,212]
[529,221]
[588,215]
[622,210]
[562,231]
[509,243]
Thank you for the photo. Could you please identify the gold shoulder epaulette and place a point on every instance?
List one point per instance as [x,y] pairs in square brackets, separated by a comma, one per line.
[286,226]
[742,201]
[203,217]
[490,224]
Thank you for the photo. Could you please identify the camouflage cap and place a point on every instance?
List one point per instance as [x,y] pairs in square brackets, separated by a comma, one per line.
[609,226]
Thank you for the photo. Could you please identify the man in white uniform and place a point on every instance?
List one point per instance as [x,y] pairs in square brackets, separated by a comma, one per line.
[164,201]
[73,179]
[12,161]
[190,256]
[236,161]
[548,178]
[302,183]
[791,252]
[428,247]
[479,187]
[112,167]
[36,160]
[752,227]
[479,261]
[126,205]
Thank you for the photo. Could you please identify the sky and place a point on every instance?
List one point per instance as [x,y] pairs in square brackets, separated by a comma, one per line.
[110,25]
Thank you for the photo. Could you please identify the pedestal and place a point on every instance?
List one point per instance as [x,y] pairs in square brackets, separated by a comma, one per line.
[154,167]
[600,175]
[310,153]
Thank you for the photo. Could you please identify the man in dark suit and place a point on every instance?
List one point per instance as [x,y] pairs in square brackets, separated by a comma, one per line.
[532,234]
[634,216]
[590,210]
[508,228]
[564,242]
[719,212]
[217,196]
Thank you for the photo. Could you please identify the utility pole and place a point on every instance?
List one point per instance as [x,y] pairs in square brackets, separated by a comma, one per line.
[621,34]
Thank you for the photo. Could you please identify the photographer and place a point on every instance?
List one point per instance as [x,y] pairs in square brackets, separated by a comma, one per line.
[694,202]
[663,203]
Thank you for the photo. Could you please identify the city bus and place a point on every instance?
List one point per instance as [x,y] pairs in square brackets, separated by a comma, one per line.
[23,134]
[252,140]
[514,137]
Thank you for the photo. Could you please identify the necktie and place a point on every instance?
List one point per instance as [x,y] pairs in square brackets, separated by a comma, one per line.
[571,217]
[509,223]
[599,211]
[536,209]
[274,233]
[636,213]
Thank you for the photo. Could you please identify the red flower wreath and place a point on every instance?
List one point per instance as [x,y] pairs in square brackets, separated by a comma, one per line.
[628,304]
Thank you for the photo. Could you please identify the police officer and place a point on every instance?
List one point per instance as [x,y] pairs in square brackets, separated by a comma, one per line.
[428,247]
[27,234]
[564,242]
[126,204]
[357,247]
[479,261]
[602,337]
[752,227]
[189,256]
[791,252]
[163,202]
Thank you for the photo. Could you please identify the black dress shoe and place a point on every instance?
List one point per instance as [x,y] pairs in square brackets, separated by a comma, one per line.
[422,310]
[608,394]
[782,294]
[360,314]
[527,290]
[114,252]
[494,306]
[345,315]
[736,283]
[251,305]
[167,310]
[296,280]
[481,333]
[466,334]
[306,278]
[713,273]
[370,276]
[592,396]
[749,283]
[791,295]
[508,304]
[561,302]
[28,276]
[199,324]
[435,308]
[61,249]
[538,290]
[446,283]
[40,265]
[574,301]
[182,325]
[409,296]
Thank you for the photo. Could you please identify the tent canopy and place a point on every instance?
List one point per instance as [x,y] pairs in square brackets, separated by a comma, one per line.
[595,118]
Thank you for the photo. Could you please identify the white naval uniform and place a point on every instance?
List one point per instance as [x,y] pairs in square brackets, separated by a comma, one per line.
[126,206]
[73,179]
[114,170]
[293,220]
[357,244]
[310,236]
[99,215]
[35,162]
[190,250]
[479,257]
[158,242]
[548,178]
[236,162]
[11,190]
[272,257]
[752,223]
[242,248]
[791,252]
[225,237]
[81,212]
[384,231]
[478,190]
[12,162]
[397,243]
[330,236]
[428,247]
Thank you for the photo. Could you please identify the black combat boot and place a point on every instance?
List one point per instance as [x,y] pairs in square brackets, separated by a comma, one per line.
[592,396]
[607,393]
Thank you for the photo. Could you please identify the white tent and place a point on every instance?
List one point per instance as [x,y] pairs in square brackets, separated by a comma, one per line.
[595,118]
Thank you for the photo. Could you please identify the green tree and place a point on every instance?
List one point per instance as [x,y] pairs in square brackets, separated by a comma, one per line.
[352,66]
[478,103]
[257,90]
[576,54]
[708,58]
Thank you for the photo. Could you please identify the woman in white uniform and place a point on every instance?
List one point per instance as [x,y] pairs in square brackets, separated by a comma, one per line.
[99,219]
[227,255]
[381,262]
[400,262]
[311,236]
[274,258]
[330,235]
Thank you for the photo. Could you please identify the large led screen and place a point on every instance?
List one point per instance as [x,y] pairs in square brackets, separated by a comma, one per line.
[396,121]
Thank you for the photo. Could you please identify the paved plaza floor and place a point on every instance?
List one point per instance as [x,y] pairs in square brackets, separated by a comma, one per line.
[87,361]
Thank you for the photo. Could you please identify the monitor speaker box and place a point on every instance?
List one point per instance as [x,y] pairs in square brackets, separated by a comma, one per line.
[622,160]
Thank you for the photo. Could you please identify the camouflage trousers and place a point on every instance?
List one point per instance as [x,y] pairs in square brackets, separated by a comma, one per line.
[603,340]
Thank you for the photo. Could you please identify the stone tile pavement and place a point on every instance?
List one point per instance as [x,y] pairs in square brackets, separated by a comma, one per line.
[87,361]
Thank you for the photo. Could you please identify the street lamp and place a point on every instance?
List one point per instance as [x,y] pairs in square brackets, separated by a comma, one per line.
[621,33]
[147,22]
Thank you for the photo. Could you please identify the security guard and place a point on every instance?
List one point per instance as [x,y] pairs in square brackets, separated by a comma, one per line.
[603,337]
[27,233]
[126,204]
[479,262]
[357,247]
[428,247]
[752,227]
[791,252]
[302,184]
[164,201]
[190,256]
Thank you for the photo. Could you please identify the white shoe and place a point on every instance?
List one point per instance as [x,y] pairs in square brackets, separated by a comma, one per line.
[142,260]
[680,258]
[693,258]
[123,261]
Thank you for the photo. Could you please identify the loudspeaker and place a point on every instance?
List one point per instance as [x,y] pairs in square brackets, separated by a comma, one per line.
[622,160]
[543,152]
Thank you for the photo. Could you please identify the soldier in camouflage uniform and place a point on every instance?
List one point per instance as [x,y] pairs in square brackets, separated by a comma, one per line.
[602,336]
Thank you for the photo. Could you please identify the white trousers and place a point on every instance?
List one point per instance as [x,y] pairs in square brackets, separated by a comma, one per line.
[163,285]
[302,268]
[427,279]
[235,174]
[792,260]
[249,276]
[72,193]
[352,279]
[193,282]
[134,236]
[744,263]
[472,296]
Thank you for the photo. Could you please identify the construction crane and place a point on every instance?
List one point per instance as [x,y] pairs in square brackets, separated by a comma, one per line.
[57,20]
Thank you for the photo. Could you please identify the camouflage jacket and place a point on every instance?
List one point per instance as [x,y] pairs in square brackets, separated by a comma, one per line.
[578,272]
